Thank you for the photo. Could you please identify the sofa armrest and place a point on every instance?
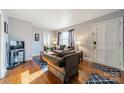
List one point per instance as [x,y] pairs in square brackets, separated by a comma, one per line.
[71,65]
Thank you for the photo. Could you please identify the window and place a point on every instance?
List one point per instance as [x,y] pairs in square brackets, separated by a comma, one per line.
[64,38]
[46,39]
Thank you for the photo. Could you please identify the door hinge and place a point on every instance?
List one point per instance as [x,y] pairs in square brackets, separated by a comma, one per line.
[120,23]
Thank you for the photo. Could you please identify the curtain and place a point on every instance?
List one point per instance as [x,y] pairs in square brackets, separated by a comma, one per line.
[59,33]
[71,38]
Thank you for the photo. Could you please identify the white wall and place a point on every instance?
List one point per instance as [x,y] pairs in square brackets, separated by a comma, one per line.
[37,46]
[83,33]
[24,31]
[6,42]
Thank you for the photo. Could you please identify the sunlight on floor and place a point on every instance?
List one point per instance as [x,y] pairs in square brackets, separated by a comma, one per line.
[26,77]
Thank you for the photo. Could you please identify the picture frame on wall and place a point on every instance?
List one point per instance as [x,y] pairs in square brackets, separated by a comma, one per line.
[5,27]
[37,37]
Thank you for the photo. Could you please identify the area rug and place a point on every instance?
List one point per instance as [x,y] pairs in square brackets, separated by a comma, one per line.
[42,64]
[112,71]
[97,79]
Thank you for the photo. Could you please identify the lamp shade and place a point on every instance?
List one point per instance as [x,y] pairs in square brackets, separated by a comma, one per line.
[54,42]
[77,42]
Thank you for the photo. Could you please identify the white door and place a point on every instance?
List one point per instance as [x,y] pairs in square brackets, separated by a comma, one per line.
[106,43]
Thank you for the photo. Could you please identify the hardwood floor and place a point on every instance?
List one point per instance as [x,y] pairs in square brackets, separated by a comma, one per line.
[86,70]
[31,73]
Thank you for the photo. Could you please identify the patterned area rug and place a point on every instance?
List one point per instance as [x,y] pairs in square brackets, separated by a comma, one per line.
[97,79]
[41,63]
[112,71]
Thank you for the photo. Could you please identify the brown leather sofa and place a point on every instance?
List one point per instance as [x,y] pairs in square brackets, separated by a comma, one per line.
[63,67]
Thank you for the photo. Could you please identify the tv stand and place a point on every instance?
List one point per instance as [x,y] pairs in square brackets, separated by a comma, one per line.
[16,58]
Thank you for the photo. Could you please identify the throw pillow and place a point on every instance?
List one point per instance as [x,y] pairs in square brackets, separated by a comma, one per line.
[57,47]
[62,47]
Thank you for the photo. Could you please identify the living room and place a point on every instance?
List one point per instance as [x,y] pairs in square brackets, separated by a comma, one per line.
[70,36]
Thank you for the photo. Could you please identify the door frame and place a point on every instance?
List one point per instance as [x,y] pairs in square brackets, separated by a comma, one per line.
[121,35]
[2,46]
[121,38]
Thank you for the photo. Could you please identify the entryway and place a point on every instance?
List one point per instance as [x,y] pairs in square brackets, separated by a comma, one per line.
[108,42]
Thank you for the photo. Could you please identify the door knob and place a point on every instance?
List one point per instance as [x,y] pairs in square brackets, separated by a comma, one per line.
[94,44]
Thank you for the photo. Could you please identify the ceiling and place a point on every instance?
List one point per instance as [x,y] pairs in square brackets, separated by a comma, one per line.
[54,19]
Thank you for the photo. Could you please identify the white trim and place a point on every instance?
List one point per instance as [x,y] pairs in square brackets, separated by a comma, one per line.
[2,47]
[121,51]
[93,39]
[30,58]
[36,54]
[122,68]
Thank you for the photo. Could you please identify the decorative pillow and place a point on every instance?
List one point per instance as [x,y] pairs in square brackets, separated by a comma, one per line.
[57,47]
[62,47]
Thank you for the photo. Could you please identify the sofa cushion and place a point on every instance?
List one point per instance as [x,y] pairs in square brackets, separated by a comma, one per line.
[58,47]
[56,60]
[57,51]
[68,52]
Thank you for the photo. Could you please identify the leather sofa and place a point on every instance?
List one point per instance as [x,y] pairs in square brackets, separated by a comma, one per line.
[63,67]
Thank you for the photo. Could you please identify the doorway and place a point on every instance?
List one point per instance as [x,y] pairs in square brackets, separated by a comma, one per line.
[108,42]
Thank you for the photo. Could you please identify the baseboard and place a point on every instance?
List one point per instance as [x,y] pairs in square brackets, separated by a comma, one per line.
[91,60]
[88,59]
[33,55]
[28,59]
[122,68]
